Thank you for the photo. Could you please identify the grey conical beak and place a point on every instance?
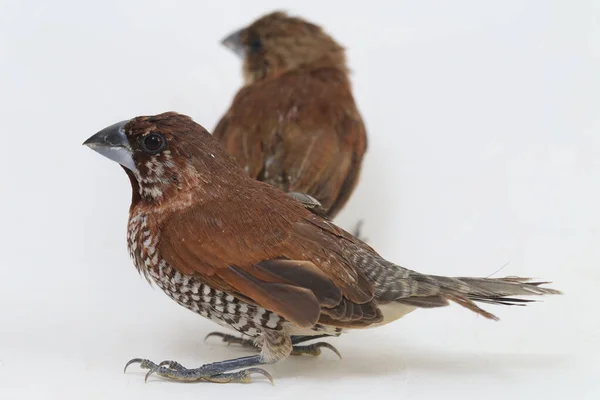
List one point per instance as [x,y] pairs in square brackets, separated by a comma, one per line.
[234,43]
[112,143]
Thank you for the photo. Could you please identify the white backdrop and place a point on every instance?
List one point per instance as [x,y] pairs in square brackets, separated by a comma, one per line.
[484,149]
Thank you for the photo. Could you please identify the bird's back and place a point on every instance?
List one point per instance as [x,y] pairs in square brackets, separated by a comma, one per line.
[301,132]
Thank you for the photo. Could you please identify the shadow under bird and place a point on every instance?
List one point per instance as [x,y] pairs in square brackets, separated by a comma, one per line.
[294,124]
[252,258]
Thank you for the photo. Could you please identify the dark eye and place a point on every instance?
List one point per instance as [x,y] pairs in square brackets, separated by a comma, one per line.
[153,143]
[255,45]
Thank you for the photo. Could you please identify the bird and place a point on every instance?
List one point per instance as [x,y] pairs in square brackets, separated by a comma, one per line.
[294,123]
[254,259]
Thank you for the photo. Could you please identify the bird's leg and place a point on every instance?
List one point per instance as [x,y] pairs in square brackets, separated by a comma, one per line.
[217,372]
[275,346]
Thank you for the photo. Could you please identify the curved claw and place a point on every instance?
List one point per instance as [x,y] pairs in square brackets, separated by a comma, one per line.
[132,361]
[261,372]
[147,375]
[314,349]
[328,346]
[152,370]
[217,334]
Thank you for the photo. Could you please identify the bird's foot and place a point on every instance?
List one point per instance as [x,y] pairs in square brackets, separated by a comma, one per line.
[217,372]
[314,349]
[311,349]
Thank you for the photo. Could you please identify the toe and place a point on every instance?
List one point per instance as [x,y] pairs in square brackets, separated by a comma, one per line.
[144,363]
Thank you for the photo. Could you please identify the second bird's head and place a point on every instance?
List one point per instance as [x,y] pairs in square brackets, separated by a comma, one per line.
[277,43]
[165,156]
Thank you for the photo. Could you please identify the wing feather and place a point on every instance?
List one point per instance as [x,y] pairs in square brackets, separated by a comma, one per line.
[273,256]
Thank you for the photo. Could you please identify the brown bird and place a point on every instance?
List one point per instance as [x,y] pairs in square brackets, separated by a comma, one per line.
[249,257]
[294,124]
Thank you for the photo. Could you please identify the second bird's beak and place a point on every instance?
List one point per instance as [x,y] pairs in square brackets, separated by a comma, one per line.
[112,143]
[234,43]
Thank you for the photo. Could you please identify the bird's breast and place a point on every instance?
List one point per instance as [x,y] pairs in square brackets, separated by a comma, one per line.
[189,292]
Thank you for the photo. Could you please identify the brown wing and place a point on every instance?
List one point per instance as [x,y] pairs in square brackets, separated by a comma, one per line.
[355,129]
[238,132]
[300,132]
[271,254]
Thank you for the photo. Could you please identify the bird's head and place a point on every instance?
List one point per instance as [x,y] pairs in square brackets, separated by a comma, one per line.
[277,43]
[165,156]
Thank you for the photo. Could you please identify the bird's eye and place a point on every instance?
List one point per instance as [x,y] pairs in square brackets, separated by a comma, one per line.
[255,45]
[153,143]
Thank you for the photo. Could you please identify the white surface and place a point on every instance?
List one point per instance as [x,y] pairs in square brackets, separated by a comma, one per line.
[484,149]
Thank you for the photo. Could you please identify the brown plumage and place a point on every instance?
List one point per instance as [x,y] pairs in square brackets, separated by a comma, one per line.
[252,258]
[294,124]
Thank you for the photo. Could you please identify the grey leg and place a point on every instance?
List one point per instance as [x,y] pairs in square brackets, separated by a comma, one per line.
[275,346]
[217,372]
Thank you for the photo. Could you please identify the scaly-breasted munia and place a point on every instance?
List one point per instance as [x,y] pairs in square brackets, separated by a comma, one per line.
[249,257]
[294,123]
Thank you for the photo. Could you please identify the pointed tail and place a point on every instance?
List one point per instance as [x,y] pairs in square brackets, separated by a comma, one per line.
[468,291]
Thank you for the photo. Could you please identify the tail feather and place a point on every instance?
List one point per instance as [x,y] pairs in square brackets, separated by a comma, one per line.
[467,303]
[500,291]
[393,283]
[506,301]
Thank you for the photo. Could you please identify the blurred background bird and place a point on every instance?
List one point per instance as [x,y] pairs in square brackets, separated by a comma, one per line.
[294,124]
